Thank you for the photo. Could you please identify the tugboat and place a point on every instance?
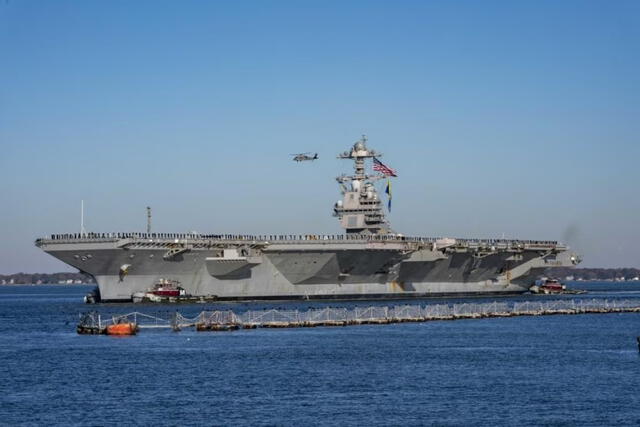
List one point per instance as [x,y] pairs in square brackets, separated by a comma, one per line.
[168,288]
[548,286]
[552,286]
[162,291]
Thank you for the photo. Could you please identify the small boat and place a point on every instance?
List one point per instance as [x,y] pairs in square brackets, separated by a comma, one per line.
[168,288]
[92,297]
[125,328]
[138,297]
[548,286]
[552,286]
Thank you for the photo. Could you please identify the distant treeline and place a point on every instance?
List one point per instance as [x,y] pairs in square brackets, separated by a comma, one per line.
[45,278]
[595,273]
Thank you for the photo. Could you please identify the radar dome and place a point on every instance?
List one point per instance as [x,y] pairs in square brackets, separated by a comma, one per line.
[359,146]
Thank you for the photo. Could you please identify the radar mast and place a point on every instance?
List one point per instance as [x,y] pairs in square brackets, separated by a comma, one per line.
[360,210]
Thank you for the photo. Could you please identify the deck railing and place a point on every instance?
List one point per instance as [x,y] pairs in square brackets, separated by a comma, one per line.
[283,238]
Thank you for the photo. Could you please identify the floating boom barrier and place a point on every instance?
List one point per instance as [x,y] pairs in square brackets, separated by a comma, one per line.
[228,320]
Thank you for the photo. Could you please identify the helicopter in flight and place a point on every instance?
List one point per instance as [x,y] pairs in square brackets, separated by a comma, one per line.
[302,157]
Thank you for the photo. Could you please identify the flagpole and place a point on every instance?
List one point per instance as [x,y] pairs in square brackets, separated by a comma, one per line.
[388,191]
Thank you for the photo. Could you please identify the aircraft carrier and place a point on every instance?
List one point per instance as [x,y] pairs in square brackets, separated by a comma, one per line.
[369,260]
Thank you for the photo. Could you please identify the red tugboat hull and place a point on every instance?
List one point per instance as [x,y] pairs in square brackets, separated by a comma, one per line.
[167,292]
[167,289]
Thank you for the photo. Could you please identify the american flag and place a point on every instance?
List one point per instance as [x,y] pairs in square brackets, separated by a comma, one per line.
[381,167]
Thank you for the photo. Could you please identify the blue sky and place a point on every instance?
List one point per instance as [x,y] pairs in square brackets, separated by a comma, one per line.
[503,118]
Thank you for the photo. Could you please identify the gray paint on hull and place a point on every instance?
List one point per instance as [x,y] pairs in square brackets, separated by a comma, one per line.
[296,274]
[111,288]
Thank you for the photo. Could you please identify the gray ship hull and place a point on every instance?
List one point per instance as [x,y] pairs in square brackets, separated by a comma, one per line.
[306,267]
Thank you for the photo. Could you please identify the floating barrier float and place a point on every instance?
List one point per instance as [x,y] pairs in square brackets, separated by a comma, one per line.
[91,323]
[125,328]
[228,320]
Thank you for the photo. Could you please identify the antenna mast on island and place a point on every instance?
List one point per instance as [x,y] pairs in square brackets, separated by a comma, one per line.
[82,230]
[148,220]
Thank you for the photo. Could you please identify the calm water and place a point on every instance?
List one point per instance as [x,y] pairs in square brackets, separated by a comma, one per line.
[554,370]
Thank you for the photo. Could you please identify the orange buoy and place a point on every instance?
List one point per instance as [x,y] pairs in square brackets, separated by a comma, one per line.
[122,329]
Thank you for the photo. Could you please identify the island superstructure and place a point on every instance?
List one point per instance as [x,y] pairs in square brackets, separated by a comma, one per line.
[368,261]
